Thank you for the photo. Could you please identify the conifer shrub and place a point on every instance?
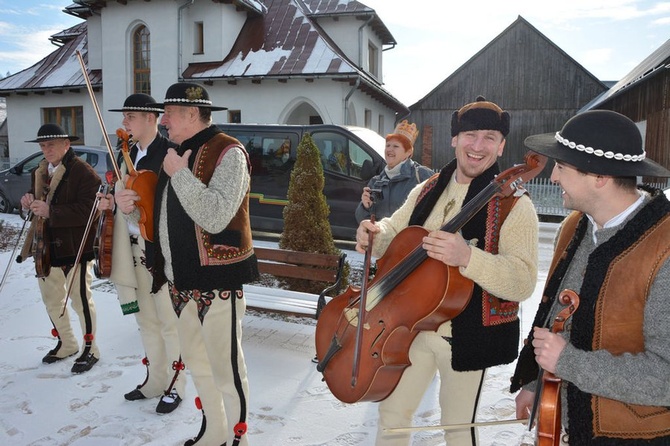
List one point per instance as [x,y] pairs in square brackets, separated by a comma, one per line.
[306,226]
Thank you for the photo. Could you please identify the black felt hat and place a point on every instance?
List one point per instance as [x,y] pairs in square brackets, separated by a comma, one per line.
[188,94]
[480,115]
[139,102]
[602,142]
[52,131]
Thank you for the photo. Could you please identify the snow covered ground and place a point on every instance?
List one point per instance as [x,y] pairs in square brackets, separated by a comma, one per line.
[45,405]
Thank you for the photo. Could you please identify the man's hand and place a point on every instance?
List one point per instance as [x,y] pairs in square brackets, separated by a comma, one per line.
[524,404]
[362,235]
[547,347]
[126,198]
[448,248]
[40,208]
[26,200]
[173,162]
[106,202]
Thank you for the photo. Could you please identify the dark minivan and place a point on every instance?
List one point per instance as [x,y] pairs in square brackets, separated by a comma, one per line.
[350,157]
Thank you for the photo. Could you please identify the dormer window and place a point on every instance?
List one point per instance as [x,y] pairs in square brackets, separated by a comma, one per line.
[141,61]
[373,63]
[198,38]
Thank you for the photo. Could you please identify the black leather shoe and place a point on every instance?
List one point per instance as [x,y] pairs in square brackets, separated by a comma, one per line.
[51,357]
[84,363]
[168,403]
[134,395]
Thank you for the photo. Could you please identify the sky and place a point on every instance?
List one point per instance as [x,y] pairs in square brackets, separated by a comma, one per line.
[434,37]
[289,404]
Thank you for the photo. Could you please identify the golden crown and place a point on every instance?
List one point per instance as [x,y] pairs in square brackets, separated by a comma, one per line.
[194,93]
[407,130]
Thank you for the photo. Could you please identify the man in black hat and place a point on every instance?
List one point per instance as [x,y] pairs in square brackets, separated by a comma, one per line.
[205,254]
[495,251]
[613,251]
[133,259]
[61,198]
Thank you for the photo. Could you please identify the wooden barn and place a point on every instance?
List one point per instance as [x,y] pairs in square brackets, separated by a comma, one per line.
[522,71]
[644,96]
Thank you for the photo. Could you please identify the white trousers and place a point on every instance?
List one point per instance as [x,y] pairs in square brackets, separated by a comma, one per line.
[459,393]
[212,351]
[158,328]
[54,290]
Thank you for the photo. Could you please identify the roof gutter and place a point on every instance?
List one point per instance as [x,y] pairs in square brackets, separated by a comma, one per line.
[179,37]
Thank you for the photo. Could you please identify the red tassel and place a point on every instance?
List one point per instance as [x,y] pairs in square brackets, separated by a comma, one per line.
[178,365]
[54,332]
[198,403]
[145,361]
[240,429]
[88,337]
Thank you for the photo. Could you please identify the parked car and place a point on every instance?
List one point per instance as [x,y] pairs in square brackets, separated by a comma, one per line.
[15,181]
[350,157]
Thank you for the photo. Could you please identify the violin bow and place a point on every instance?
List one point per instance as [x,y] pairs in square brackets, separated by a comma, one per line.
[451,427]
[362,310]
[29,216]
[91,217]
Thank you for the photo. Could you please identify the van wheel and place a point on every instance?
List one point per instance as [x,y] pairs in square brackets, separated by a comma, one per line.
[5,207]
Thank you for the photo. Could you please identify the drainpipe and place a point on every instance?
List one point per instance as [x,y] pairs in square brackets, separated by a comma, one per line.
[179,37]
[346,100]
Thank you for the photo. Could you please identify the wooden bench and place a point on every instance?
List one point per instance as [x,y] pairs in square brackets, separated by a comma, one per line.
[285,263]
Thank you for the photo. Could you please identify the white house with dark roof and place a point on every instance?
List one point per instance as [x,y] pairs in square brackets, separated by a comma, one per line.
[268,61]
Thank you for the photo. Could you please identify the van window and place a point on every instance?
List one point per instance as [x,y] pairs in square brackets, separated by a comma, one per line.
[340,154]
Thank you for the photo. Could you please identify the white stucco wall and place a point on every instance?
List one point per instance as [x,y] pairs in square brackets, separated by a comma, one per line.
[267,102]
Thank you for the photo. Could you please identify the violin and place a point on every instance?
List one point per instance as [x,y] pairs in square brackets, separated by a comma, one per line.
[40,247]
[392,317]
[102,244]
[549,411]
[143,182]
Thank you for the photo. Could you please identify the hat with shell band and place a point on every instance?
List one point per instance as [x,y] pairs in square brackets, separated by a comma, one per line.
[49,132]
[139,102]
[480,115]
[404,130]
[602,142]
[188,94]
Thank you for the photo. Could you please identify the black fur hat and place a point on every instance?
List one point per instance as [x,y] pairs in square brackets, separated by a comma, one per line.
[480,115]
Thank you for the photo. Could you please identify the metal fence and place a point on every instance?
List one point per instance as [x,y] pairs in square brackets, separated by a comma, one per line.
[547,196]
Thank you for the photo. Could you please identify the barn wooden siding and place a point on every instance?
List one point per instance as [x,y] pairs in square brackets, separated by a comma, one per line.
[650,101]
[523,72]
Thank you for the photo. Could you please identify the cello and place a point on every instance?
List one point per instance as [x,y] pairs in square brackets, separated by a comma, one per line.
[144,183]
[388,333]
[548,394]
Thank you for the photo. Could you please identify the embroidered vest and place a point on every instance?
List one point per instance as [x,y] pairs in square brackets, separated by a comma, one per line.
[202,260]
[613,295]
[486,333]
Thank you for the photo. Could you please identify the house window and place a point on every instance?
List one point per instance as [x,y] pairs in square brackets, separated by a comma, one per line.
[373,65]
[198,38]
[380,125]
[235,116]
[141,61]
[71,119]
[368,118]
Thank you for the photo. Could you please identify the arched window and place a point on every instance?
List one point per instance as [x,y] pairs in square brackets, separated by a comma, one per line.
[141,60]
